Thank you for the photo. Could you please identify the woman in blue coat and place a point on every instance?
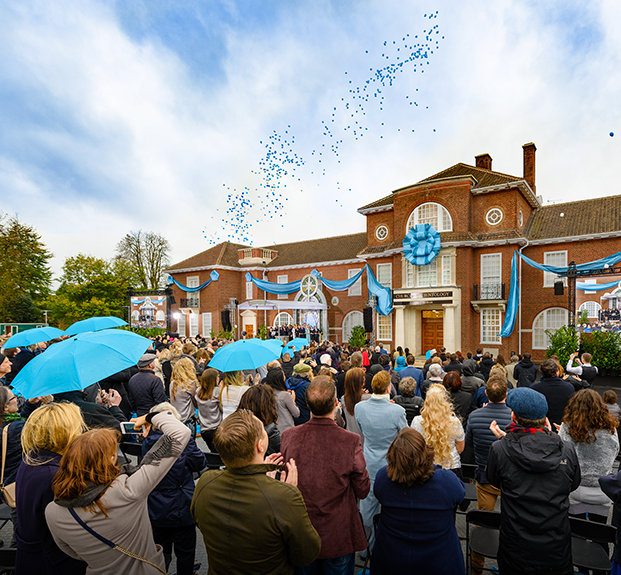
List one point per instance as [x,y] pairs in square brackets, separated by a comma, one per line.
[169,502]
[416,530]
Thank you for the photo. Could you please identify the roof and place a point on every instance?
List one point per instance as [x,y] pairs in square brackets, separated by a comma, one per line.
[484,179]
[335,248]
[584,217]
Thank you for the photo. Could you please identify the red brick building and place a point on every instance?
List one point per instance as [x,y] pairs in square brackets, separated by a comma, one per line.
[459,299]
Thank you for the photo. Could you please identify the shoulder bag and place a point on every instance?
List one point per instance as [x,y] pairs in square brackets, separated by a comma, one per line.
[7,490]
[114,545]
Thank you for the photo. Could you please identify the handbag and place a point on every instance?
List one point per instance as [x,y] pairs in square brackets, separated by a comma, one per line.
[114,545]
[7,490]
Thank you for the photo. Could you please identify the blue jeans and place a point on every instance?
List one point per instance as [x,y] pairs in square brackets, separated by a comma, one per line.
[338,566]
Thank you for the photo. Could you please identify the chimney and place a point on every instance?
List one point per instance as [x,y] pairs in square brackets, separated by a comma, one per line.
[529,164]
[483,161]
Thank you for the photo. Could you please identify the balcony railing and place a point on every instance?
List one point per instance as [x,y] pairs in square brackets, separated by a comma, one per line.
[486,292]
[190,302]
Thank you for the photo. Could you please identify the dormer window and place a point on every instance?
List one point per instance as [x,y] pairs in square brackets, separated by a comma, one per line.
[431,213]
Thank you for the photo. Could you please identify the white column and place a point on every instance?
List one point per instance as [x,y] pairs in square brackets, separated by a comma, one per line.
[452,328]
[399,326]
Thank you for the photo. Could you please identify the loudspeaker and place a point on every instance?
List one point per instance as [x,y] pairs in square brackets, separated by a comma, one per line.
[559,287]
[171,299]
[367,314]
[225,318]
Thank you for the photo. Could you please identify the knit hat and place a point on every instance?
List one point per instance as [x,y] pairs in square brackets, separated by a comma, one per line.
[301,368]
[527,403]
[146,360]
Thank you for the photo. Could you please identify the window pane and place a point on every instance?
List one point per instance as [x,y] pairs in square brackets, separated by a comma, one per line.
[490,325]
[427,276]
[431,213]
[282,279]
[550,319]
[446,271]
[409,273]
[351,320]
[384,327]
[384,274]
[356,289]
[248,290]
[558,259]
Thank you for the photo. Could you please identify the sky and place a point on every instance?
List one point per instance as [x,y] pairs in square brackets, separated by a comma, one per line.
[274,121]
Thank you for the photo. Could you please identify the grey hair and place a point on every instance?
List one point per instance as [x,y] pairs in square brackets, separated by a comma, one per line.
[435,370]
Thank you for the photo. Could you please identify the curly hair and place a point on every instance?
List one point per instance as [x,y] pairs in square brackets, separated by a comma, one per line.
[436,423]
[585,414]
[183,377]
[410,458]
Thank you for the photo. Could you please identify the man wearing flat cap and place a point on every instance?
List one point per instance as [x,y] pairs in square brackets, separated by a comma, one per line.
[145,389]
[535,472]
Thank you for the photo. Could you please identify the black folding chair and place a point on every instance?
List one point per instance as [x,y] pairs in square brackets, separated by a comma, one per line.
[5,514]
[590,544]
[8,556]
[482,531]
[214,461]
[131,448]
[468,470]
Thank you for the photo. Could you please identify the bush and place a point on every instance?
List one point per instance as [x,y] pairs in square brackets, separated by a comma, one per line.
[223,334]
[563,342]
[605,347]
[262,332]
[152,332]
[358,336]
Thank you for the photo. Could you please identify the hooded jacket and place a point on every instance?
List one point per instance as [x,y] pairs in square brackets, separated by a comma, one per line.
[485,366]
[525,373]
[299,385]
[469,381]
[535,472]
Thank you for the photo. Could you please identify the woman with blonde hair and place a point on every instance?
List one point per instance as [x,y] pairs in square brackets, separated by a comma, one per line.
[45,437]
[441,429]
[207,399]
[99,513]
[183,387]
[232,387]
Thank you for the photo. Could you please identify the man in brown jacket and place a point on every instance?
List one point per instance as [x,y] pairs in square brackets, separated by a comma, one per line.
[332,476]
[251,523]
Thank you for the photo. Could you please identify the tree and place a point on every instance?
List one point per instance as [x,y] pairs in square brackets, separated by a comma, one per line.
[25,275]
[358,337]
[147,254]
[90,287]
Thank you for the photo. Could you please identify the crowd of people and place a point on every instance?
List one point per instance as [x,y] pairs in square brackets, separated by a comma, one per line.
[291,331]
[328,453]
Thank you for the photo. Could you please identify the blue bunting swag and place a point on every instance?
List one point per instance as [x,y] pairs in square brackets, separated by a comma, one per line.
[383,294]
[155,300]
[514,294]
[421,244]
[213,277]
[596,287]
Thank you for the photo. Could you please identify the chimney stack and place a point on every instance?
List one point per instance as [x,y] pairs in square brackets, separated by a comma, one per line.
[529,164]
[483,161]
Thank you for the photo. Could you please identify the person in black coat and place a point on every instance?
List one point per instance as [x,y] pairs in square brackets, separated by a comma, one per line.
[96,415]
[486,364]
[525,372]
[453,364]
[145,389]
[557,391]
[169,503]
[408,398]
[535,471]
[461,400]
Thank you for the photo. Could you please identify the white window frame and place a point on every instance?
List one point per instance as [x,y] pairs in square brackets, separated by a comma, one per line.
[495,278]
[384,270]
[430,271]
[278,322]
[282,279]
[487,325]
[206,324]
[548,277]
[384,327]
[355,289]
[352,319]
[447,270]
[443,223]
[181,325]
[249,293]
[409,277]
[592,304]
[192,282]
[540,339]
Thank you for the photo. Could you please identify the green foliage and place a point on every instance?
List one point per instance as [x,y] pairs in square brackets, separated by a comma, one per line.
[605,347]
[25,275]
[358,336]
[89,287]
[223,334]
[152,332]
[583,317]
[563,342]
[262,332]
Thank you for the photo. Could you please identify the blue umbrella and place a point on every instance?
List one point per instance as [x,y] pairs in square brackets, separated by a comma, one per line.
[275,344]
[298,343]
[32,336]
[94,324]
[243,354]
[77,362]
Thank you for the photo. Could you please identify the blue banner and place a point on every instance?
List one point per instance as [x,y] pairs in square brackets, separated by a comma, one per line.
[597,287]
[213,277]
[275,288]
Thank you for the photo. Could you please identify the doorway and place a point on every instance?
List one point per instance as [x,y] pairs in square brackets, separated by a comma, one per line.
[432,329]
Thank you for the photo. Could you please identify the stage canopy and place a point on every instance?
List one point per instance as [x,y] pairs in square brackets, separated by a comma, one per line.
[268,304]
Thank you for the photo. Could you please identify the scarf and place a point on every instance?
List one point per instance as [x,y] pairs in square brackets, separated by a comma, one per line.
[11,417]
[515,428]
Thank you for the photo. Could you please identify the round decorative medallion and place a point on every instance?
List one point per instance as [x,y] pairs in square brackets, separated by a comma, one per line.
[381,232]
[494,216]
[334,300]
[309,285]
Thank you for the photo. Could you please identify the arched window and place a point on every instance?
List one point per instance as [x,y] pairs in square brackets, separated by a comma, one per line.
[431,213]
[549,319]
[592,308]
[351,320]
[283,318]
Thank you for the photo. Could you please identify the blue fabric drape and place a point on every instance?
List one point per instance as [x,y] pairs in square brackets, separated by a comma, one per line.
[383,294]
[272,287]
[213,277]
[596,287]
[156,301]
[421,244]
[514,294]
